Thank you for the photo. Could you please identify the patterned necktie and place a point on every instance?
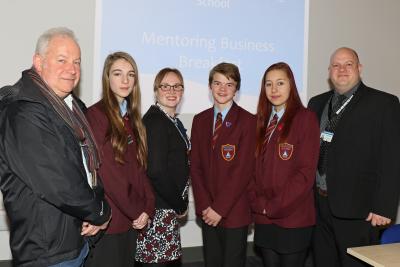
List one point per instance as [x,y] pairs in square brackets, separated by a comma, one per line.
[334,106]
[218,125]
[271,126]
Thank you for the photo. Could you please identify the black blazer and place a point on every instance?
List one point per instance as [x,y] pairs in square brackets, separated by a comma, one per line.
[167,164]
[363,172]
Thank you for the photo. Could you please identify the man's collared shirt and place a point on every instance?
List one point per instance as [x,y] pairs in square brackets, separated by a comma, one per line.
[68,100]
[123,107]
[321,179]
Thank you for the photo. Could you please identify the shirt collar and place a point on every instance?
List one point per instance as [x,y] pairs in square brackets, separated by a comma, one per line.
[68,101]
[351,92]
[123,107]
[223,112]
[279,113]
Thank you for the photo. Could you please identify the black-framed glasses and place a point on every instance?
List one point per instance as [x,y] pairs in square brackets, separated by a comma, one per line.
[167,87]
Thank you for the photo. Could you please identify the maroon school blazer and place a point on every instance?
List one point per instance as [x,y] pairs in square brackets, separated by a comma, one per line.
[285,175]
[221,176]
[126,186]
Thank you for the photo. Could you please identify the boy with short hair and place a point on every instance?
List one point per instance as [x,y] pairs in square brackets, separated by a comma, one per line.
[223,146]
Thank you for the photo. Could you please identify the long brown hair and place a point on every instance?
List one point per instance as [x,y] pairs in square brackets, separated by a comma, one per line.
[264,108]
[116,132]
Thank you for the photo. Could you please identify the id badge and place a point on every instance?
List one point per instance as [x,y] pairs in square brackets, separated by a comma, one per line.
[326,136]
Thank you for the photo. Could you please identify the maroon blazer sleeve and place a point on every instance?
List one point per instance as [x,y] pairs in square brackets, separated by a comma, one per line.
[301,182]
[241,173]
[200,193]
[254,194]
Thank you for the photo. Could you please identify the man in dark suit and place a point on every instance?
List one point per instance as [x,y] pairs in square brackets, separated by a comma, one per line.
[222,164]
[358,176]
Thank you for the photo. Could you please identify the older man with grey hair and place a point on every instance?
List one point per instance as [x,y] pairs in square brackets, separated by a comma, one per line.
[48,160]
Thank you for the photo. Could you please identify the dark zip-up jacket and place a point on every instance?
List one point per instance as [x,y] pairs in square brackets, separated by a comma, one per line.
[45,190]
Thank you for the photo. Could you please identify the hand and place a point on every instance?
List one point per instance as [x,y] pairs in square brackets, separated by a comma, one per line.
[180,216]
[211,217]
[90,229]
[141,221]
[377,220]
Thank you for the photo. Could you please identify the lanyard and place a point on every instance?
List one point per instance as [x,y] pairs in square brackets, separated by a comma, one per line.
[174,121]
[339,109]
[344,105]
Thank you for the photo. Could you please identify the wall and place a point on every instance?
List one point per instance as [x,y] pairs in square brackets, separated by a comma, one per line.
[21,22]
[369,26]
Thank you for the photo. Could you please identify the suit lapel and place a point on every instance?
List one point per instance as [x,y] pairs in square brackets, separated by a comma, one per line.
[349,108]
[321,105]
[274,137]
[209,125]
[357,96]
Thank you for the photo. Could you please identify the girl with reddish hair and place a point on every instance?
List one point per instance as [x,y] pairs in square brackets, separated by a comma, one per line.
[286,161]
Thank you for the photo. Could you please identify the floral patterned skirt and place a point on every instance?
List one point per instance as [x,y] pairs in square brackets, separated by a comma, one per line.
[161,241]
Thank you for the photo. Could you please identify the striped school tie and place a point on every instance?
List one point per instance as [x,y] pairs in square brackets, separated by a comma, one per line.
[218,125]
[271,126]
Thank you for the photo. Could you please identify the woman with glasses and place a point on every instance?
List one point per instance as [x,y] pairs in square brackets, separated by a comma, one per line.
[286,161]
[168,170]
[121,136]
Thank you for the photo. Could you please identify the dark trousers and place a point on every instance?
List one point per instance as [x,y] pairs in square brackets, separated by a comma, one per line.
[224,247]
[272,258]
[333,235]
[117,250]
